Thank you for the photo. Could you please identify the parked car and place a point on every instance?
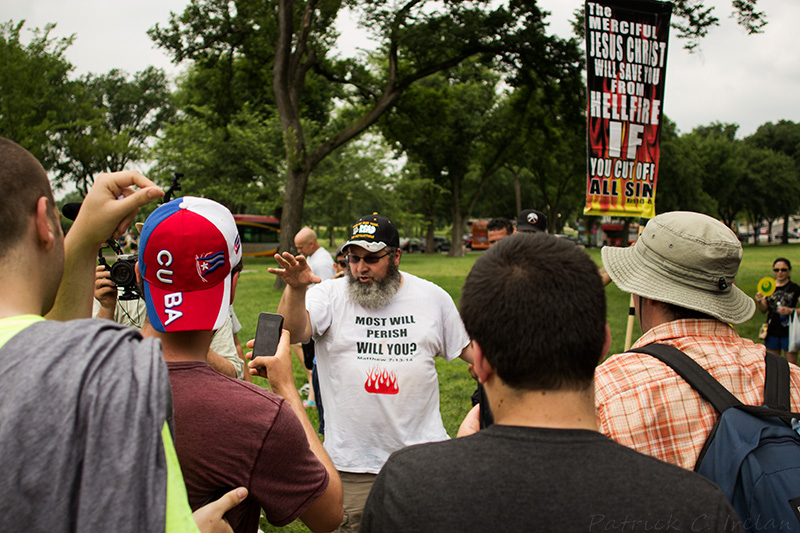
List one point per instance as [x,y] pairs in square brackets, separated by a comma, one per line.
[411,245]
[441,244]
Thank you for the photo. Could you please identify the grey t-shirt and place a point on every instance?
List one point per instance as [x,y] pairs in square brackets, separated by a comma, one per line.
[508,478]
[82,407]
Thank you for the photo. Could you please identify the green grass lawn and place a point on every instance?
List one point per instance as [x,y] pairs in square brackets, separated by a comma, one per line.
[255,293]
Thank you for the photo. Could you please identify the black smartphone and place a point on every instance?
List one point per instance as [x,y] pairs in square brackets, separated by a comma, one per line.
[268,334]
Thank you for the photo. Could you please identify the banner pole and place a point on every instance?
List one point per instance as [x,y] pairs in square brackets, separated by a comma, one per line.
[631,307]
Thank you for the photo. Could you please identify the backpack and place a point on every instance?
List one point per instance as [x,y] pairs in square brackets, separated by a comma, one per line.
[752,453]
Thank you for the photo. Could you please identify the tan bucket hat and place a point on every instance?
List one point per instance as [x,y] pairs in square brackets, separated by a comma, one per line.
[685,259]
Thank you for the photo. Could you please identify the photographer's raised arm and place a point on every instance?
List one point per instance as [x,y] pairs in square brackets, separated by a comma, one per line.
[107,211]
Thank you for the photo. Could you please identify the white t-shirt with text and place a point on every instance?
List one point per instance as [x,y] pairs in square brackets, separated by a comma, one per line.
[376,368]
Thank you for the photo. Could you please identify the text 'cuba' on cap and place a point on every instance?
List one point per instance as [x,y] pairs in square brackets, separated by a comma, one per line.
[685,259]
[374,233]
[186,252]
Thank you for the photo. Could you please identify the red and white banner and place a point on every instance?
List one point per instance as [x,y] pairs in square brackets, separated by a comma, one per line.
[626,60]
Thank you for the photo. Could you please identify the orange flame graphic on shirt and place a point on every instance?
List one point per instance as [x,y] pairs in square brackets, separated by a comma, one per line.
[381,382]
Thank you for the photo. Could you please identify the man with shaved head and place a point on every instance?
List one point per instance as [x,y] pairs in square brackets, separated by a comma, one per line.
[317,257]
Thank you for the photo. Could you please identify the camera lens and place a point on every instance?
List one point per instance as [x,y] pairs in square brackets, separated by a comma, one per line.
[123,273]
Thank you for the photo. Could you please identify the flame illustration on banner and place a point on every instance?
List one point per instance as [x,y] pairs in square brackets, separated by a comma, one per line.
[381,381]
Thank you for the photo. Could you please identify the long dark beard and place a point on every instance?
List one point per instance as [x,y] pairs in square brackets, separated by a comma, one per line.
[377,294]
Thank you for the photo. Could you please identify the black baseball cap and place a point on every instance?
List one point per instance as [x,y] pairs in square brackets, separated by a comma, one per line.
[374,233]
[532,220]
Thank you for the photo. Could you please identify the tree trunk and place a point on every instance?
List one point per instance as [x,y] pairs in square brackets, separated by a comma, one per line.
[331,235]
[785,233]
[430,246]
[292,216]
[456,248]
[626,230]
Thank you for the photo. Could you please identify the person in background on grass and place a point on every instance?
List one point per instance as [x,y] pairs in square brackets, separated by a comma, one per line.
[681,272]
[543,465]
[321,264]
[317,257]
[340,262]
[189,258]
[498,228]
[377,331]
[86,407]
[779,307]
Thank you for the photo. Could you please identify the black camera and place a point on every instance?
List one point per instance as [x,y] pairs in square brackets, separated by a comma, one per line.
[123,272]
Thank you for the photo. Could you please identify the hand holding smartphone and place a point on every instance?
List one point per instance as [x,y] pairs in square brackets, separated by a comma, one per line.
[268,334]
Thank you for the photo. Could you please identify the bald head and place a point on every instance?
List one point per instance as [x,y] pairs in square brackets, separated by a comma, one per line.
[23,181]
[306,241]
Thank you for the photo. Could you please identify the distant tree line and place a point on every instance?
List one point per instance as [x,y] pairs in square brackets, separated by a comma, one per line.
[465,109]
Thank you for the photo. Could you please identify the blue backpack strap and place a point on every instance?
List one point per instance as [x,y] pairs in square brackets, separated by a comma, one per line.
[776,385]
[694,374]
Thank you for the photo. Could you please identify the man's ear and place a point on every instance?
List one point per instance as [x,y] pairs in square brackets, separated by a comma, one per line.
[483,368]
[397,257]
[44,220]
[138,274]
[234,282]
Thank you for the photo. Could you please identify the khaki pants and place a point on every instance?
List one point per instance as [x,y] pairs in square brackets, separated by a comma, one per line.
[356,488]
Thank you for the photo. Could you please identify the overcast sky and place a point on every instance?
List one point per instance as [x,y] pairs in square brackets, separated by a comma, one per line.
[734,77]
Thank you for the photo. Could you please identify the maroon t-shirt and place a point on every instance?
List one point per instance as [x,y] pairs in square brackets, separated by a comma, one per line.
[230,433]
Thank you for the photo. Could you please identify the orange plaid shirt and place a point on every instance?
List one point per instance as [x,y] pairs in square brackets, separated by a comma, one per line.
[645,405]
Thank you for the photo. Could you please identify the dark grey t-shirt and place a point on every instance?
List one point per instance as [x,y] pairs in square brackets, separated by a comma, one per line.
[508,478]
[82,406]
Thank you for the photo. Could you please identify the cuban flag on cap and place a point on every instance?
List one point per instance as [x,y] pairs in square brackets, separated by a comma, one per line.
[186,252]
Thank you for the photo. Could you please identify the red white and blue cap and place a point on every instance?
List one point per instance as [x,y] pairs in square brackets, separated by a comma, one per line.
[186,252]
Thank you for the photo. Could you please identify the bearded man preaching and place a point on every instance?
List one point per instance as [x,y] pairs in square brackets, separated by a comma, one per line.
[377,330]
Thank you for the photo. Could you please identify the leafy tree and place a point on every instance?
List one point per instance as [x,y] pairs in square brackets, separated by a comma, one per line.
[723,168]
[355,180]
[549,152]
[114,124]
[36,95]
[680,174]
[418,38]
[236,164]
[437,124]
[784,138]
[774,188]
[76,128]
[693,19]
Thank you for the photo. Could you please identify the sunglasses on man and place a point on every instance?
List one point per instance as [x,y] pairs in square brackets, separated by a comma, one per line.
[368,259]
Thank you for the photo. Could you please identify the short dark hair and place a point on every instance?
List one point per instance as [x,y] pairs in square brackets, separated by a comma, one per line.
[23,181]
[778,260]
[500,223]
[537,307]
